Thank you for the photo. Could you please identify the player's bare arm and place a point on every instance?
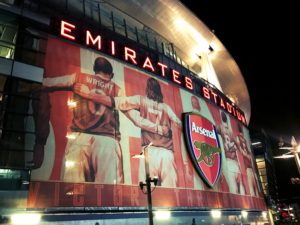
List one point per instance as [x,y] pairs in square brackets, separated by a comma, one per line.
[145,124]
[96,96]
[57,83]
[124,104]
[173,116]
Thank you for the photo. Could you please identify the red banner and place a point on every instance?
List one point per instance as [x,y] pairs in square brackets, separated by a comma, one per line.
[54,194]
[103,112]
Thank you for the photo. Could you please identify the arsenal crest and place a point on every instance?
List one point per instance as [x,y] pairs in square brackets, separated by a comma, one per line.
[203,146]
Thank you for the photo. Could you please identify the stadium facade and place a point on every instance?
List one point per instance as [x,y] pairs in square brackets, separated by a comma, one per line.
[87,86]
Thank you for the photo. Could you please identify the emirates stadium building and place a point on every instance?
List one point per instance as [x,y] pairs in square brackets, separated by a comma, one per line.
[121,112]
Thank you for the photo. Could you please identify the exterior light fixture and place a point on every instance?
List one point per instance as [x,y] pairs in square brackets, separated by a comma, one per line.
[264,215]
[283,156]
[69,164]
[25,218]
[216,213]
[244,214]
[162,215]
[293,151]
[256,143]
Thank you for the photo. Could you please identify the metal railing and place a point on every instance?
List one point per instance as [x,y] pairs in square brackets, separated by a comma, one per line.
[104,15]
[111,18]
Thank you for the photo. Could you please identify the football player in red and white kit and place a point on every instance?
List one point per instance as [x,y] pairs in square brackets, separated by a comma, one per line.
[232,174]
[248,174]
[93,152]
[151,107]
[195,104]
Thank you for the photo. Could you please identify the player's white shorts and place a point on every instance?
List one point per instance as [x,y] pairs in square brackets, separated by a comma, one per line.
[252,182]
[161,164]
[230,173]
[92,158]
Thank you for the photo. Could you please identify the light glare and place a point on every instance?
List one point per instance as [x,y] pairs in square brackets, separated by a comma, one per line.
[216,213]
[71,103]
[70,136]
[140,156]
[256,143]
[244,214]
[69,164]
[162,215]
[264,215]
[25,218]
[283,156]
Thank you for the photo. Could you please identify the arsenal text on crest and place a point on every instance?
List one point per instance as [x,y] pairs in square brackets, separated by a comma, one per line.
[203,131]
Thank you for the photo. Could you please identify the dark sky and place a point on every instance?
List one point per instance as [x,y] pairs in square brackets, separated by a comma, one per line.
[261,37]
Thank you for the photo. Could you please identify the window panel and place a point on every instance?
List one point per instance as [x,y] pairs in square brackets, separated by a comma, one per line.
[8,35]
[17,131]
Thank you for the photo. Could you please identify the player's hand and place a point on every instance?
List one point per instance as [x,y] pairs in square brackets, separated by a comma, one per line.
[163,130]
[244,152]
[98,91]
[230,154]
[81,89]
[38,157]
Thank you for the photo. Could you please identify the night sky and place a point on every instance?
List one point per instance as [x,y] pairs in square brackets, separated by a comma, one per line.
[261,37]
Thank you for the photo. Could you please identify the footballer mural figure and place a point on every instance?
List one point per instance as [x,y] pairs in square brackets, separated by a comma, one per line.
[152,108]
[93,142]
[93,152]
[195,104]
[232,174]
[248,174]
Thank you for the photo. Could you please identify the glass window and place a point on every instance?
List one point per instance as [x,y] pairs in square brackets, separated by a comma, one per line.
[105,12]
[13,179]
[119,25]
[32,46]
[8,35]
[143,39]
[131,32]
[17,132]
[92,10]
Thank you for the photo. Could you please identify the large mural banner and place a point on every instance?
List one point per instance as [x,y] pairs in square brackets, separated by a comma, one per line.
[96,113]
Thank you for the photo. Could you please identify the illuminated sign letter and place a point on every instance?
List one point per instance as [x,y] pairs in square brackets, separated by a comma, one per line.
[188,83]
[206,92]
[243,119]
[229,107]
[215,97]
[94,41]
[148,64]
[113,49]
[238,114]
[163,68]
[222,104]
[176,76]
[234,111]
[65,30]
[130,54]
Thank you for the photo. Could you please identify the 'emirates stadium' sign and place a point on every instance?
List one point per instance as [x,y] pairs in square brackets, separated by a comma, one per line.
[96,41]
